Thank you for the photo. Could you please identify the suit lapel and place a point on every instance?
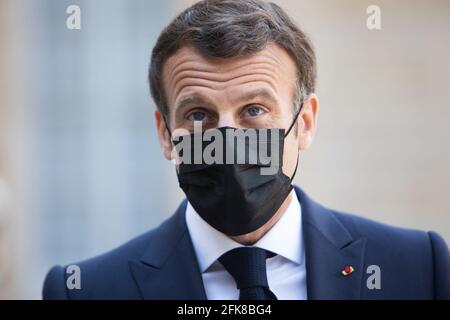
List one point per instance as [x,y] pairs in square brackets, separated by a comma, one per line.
[329,247]
[168,270]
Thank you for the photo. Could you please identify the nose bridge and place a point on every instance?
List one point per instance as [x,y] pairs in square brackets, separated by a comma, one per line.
[226,119]
[227,109]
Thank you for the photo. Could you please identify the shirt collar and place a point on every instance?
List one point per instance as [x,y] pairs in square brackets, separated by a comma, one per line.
[284,238]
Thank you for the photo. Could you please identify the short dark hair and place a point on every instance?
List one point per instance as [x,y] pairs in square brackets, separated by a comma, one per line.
[229,28]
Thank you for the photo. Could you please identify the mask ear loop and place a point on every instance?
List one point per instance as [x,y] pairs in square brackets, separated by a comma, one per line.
[286,134]
[167,128]
[293,121]
[295,170]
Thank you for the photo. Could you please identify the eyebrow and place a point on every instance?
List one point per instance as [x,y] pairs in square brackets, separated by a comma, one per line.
[191,100]
[258,93]
[196,99]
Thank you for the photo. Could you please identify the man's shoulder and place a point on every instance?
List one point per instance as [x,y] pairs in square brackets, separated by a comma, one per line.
[376,233]
[106,275]
[412,263]
[400,251]
[380,232]
[406,253]
[99,276]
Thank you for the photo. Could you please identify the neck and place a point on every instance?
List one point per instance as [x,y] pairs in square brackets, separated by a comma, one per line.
[253,237]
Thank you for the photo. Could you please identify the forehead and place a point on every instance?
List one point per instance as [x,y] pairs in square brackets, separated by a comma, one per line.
[188,70]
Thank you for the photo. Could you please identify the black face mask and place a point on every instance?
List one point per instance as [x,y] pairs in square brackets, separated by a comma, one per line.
[236,198]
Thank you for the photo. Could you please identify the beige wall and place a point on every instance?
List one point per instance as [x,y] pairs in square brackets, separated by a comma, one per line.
[383,144]
[9,197]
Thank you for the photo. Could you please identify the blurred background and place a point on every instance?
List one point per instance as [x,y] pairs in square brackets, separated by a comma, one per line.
[80,166]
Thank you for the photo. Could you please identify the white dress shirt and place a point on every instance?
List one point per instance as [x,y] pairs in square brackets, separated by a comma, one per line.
[286,272]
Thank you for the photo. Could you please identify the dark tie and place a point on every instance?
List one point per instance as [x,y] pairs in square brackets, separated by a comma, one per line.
[247,265]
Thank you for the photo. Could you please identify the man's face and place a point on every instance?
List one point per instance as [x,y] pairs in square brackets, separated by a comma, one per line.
[255,91]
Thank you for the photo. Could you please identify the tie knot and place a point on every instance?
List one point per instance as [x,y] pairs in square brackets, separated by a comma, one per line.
[247,265]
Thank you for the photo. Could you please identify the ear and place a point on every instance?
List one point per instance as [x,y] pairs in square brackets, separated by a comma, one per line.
[163,135]
[307,121]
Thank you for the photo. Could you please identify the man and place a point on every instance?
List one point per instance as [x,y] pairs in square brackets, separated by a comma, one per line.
[236,64]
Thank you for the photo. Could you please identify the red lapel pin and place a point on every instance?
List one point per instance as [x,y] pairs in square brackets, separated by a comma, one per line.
[347,270]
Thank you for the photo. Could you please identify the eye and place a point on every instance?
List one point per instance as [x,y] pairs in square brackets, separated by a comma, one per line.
[254,111]
[197,116]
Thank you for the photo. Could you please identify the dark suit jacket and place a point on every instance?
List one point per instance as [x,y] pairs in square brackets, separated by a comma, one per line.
[161,264]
